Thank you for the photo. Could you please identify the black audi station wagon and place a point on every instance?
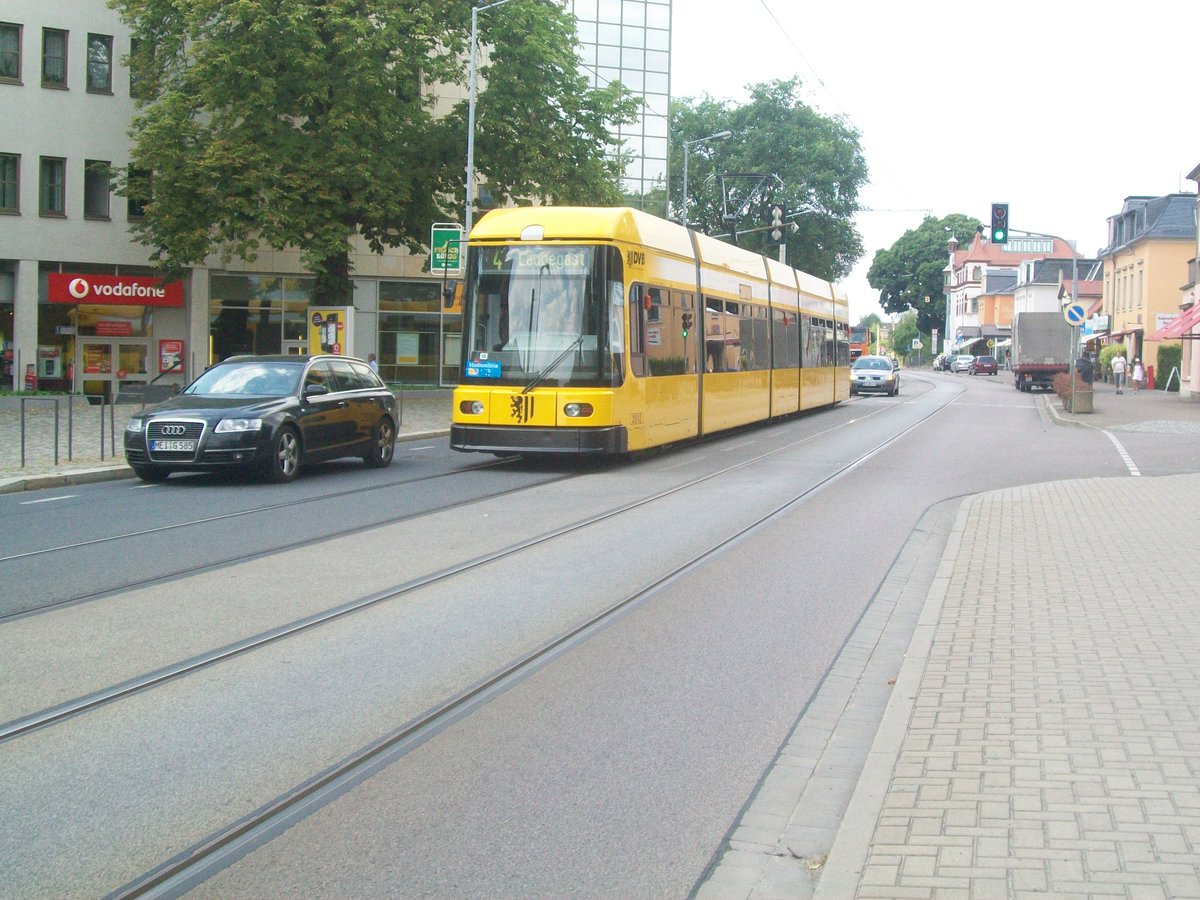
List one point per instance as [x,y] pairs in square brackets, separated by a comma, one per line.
[269,414]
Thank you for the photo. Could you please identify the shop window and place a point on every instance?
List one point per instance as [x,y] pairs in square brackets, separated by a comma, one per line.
[54,58]
[52,190]
[96,189]
[10,52]
[10,183]
[99,63]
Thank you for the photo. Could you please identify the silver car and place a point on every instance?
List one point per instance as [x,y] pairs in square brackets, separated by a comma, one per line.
[962,363]
[875,374]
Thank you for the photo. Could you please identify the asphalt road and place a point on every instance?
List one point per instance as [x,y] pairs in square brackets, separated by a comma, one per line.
[616,768]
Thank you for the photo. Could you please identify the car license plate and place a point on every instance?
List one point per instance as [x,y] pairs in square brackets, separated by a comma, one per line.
[173,445]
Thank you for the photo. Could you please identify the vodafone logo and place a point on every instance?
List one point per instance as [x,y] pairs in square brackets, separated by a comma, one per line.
[114,289]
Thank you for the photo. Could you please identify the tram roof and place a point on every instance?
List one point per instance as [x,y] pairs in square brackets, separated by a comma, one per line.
[622,223]
[584,223]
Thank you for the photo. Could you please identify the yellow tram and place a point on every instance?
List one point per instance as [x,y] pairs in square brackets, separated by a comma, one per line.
[607,331]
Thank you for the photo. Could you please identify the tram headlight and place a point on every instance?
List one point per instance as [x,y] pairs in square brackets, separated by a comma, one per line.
[578,410]
[471,407]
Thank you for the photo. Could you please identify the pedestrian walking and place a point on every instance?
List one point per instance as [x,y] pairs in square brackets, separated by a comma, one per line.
[1118,370]
[1139,374]
[371,361]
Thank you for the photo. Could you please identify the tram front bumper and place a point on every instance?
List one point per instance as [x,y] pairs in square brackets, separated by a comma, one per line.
[503,439]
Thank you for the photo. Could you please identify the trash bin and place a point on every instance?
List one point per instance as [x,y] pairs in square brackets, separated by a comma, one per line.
[1083,365]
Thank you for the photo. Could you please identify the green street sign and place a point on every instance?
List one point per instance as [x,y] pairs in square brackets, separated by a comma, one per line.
[446,244]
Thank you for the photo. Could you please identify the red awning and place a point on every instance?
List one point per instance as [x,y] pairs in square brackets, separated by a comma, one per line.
[1183,323]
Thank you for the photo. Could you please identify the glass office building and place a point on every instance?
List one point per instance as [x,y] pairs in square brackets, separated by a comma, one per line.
[630,41]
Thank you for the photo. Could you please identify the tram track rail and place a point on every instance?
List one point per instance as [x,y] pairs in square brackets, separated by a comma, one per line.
[163,577]
[225,845]
[69,709]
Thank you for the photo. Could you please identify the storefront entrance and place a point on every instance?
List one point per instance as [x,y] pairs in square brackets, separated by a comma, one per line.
[103,367]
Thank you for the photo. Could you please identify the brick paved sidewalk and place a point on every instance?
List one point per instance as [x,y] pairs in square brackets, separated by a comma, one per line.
[1044,734]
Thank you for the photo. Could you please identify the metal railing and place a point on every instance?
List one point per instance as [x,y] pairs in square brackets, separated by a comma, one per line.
[37,434]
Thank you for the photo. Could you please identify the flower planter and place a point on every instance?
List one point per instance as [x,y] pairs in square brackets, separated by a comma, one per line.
[1079,402]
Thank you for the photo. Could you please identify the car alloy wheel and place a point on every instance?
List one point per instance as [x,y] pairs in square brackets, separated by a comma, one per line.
[383,444]
[284,461]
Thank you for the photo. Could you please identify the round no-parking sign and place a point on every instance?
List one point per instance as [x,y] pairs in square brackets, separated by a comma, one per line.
[1074,313]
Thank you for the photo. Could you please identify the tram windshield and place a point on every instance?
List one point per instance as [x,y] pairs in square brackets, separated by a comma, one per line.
[543,315]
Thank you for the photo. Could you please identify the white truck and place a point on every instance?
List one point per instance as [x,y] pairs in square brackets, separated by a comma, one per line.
[1041,348]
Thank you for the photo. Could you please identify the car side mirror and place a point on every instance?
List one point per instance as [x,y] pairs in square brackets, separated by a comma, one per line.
[315,390]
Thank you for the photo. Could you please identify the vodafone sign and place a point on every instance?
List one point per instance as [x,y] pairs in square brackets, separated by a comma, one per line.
[125,290]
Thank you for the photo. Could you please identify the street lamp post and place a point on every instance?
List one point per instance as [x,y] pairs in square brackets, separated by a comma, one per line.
[687,145]
[470,208]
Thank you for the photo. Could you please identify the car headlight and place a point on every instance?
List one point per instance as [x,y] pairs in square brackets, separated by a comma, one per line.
[227,426]
[134,426]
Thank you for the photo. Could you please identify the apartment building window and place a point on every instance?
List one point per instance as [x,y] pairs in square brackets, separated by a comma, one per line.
[97,188]
[10,52]
[138,179]
[52,187]
[137,88]
[99,63]
[10,183]
[54,58]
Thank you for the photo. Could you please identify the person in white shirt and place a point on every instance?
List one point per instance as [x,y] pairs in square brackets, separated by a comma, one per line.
[1139,374]
[1118,370]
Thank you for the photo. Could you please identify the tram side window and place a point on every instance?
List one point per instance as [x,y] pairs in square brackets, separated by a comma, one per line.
[756,342]
[657,342]
[812,352]
[785,337]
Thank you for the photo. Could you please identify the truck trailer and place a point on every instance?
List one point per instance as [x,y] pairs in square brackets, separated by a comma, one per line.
[1041,348]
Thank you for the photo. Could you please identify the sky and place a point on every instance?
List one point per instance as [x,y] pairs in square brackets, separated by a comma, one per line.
[1060,108]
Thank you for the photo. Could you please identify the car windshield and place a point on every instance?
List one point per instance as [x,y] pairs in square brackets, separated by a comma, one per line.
[248,379]
[873,362]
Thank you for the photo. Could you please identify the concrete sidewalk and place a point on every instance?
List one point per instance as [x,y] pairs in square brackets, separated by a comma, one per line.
[1018,712]
[1043,735]
[424,413]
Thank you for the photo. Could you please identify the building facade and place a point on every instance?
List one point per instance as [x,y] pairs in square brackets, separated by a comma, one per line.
[984,288]
[80,309]
[1146,261]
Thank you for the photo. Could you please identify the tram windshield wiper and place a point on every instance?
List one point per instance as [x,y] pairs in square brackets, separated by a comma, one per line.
[578,342]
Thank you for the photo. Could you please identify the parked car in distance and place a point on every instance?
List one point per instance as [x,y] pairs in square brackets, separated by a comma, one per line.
[939,362]
[269,414]
[984,365]
[875,374]
[962,363]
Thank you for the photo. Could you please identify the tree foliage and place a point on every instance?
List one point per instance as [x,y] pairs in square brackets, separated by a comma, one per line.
[811,163]
[913,269]
[906,331]
[290,123]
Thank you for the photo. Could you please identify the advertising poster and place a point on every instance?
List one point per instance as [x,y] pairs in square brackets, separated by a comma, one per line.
[170,356]
[329,329]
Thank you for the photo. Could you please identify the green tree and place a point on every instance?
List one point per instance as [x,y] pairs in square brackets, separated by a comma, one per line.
[905,332]
[290,123]
[913,269]
[813,164]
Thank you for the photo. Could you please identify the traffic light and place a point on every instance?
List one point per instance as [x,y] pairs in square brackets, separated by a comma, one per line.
[687,323]
[776,230]
[999,223]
